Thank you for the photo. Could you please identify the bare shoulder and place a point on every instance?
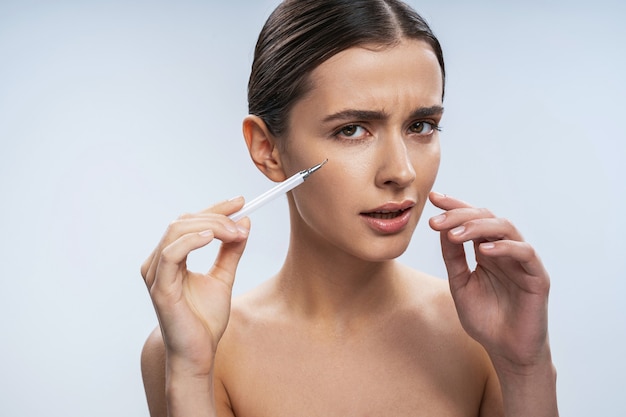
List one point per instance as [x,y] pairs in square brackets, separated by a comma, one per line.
[153,353]
[460,357]
[153,373]
[427,309]
[428,297]
[248,314]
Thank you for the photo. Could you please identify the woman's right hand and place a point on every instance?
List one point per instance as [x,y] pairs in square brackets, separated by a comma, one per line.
[193,308]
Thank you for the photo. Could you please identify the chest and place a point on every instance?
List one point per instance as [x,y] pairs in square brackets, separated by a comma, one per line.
[368,375]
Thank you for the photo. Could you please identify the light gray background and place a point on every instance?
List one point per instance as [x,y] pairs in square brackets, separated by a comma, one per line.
[117,116]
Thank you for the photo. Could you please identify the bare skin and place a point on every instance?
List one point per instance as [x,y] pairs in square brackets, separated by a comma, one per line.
[343,328]
[279,362]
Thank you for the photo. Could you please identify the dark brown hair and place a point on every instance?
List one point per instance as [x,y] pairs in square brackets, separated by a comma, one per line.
[301,34]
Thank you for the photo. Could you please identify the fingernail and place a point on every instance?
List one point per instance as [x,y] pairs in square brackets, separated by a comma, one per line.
[457,230]
[438,194]
[439,219]
[487,245]
[235,198]
[242,230]
[206,233]
[231,228]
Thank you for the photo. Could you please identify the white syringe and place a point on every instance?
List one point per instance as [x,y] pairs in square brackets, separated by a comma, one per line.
[285,186]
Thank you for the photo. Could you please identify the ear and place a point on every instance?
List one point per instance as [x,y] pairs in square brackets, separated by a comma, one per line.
[262,147]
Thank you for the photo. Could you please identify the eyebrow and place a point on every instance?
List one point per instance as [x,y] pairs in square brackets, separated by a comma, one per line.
[427,112]
[354,114]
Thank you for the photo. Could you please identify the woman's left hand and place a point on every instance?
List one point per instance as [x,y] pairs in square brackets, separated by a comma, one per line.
[503,303]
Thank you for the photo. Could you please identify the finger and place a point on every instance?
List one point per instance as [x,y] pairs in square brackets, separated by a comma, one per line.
[172,260]
[182,225]
[484,229]
[197,222]
[222,228]
[225,207]
[227,260]
[145,266]
[446,202]
[455,259]
[456,217]
[522,252]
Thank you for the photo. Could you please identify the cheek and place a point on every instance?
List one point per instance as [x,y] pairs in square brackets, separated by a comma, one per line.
[330,195]
[328,186]
[426,162]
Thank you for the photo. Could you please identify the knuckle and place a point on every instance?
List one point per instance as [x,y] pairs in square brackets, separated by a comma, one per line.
[474,224]
[485,212]
[171,227]
[530,251]
[145,267]
[156,294]
[185,216]
[174,224]
[167,256]
[547,284]
[506,223]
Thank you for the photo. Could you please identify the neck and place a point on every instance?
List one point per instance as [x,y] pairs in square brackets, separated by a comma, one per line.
[322,283]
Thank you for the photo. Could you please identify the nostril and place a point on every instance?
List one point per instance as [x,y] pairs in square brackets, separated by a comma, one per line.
[400,178]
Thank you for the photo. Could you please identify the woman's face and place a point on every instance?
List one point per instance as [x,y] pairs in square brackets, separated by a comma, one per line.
[374,114]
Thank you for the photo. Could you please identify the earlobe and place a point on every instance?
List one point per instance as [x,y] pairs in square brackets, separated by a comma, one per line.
[262,148]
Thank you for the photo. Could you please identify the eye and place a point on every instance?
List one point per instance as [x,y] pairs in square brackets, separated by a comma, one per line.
[351,132]
[424,128]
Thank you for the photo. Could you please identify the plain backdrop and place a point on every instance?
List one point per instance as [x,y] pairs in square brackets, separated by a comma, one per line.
[117,116]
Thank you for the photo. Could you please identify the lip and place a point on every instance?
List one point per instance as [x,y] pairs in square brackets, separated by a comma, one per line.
[385,222]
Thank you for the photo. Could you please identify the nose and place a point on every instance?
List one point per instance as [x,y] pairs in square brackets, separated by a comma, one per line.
[394,163]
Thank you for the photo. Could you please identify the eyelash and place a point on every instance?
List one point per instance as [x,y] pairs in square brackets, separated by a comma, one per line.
[433,126]
[340,134]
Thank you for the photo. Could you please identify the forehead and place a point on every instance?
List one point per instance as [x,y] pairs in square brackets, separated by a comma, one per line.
[405,71]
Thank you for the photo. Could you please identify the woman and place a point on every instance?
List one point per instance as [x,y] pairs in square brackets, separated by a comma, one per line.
[343,328]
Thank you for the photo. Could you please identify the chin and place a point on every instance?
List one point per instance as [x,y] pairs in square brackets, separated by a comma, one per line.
[384,251]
